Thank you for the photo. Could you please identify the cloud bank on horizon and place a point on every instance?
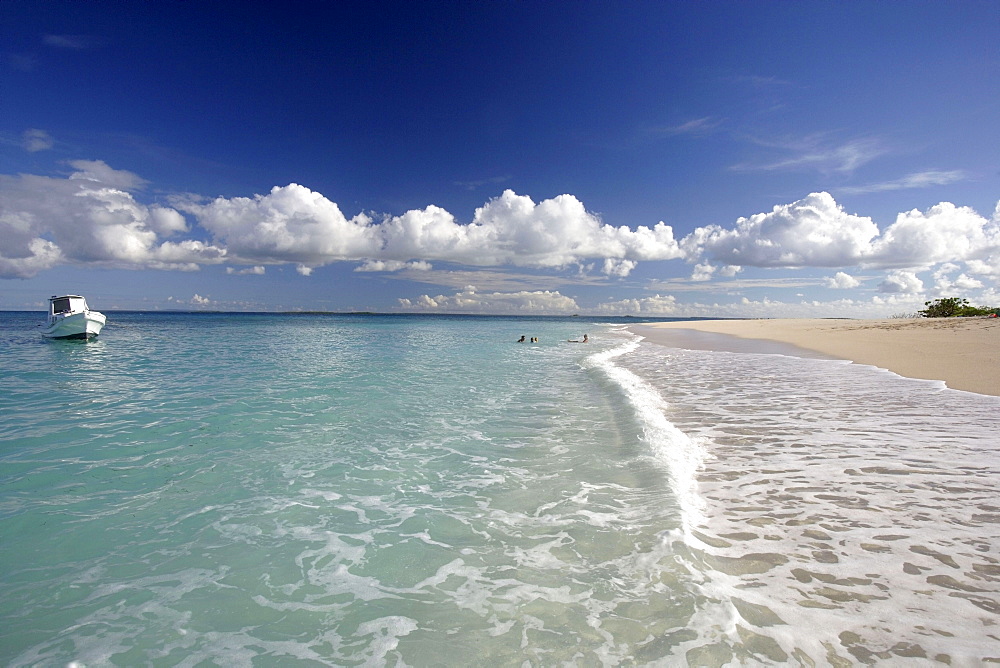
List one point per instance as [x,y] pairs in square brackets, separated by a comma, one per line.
[93,217]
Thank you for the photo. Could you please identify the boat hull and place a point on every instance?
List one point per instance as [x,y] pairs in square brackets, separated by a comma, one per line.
[75,326]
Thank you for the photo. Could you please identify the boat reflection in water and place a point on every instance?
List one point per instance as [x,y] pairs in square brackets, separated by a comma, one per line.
[70,318]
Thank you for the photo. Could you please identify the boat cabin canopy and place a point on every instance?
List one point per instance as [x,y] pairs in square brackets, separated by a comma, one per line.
[67,304]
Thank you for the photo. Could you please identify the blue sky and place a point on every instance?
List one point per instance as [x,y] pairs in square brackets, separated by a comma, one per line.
[775,159]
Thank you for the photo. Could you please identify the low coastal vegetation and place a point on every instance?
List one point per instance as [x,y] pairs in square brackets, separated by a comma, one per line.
[955,307]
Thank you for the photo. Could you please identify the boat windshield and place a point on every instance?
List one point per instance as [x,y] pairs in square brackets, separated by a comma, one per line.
[68,304]
[61,305]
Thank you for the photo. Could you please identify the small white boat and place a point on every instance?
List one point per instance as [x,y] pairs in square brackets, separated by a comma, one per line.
[70,318]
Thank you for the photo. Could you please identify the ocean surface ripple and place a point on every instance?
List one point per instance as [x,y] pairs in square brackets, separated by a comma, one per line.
[200,489]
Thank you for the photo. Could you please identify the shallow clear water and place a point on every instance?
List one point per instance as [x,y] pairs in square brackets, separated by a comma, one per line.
[195,489]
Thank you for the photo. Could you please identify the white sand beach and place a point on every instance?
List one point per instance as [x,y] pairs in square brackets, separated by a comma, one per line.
[962,352]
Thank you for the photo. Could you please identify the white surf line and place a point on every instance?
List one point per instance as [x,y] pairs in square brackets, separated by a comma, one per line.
[683,455]
[716,617]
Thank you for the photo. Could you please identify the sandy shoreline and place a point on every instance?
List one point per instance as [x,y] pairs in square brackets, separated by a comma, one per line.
[963,352]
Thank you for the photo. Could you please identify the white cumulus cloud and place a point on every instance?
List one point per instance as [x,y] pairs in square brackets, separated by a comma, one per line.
[89,217]
[290,224]
[393,265]
[989,267]
[512,229]
[814,231]
[902,282]
[620,268]
[703,272]
[470,301]
[657,305]
[295,224]
[946,284]
[257,270]
[94,216]
[944,233]
[842,281]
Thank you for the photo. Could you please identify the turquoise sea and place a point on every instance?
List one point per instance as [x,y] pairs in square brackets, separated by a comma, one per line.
[356,490]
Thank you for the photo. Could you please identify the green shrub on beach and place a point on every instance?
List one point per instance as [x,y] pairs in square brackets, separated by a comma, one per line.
[955,307]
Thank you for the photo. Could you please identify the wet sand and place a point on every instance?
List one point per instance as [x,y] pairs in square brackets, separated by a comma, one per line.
[962,352]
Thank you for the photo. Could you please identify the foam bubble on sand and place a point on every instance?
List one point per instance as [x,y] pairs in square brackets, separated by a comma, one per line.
[844,521]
